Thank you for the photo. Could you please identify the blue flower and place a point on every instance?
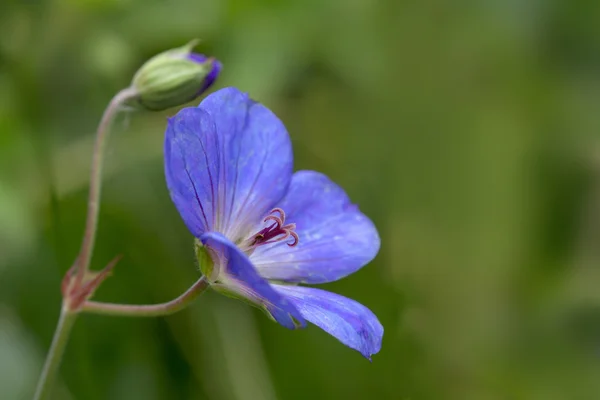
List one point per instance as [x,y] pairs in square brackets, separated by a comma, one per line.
[264,229]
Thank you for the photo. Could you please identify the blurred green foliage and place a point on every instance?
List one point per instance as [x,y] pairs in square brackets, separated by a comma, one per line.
[469,131]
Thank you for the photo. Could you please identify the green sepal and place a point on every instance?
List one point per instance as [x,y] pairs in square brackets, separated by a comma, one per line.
[170,79]
[205,262]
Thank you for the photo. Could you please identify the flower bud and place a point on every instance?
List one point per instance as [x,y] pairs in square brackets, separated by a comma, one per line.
[174,77]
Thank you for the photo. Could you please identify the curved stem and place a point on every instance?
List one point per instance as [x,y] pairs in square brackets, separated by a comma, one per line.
[57,348]
[148,310]
[67,316]
[89,236]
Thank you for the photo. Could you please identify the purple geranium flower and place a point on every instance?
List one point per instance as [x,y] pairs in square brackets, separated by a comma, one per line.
[228,165]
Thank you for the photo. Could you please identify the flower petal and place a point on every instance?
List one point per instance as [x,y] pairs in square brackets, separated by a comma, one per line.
[191,167]
[256,159]
[227,163]
[347,320]
[336,239]
[238,275]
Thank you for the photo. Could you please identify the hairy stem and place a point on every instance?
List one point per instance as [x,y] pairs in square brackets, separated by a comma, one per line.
[91,225]
[148,310]
[67,315]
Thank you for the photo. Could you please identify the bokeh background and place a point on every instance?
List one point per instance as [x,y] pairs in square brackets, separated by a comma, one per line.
[469,131]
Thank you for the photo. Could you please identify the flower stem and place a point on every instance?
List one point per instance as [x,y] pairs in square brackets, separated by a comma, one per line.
[89,236]
[148,310]
[81,266]
[57,348]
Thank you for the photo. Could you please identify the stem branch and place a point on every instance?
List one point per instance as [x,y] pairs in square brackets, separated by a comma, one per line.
[67,315]
[148,310]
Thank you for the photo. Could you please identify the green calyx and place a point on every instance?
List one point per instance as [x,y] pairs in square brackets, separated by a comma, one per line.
[220,283]
[170,79]
[205,262]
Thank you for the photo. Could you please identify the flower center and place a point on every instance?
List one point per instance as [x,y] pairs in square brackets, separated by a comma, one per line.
[276,232]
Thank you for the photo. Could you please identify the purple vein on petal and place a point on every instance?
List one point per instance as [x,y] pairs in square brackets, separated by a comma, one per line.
[195,192]
[237,163]
[260,198]
[248,194]
[222,180]
[212,186]
[235,183]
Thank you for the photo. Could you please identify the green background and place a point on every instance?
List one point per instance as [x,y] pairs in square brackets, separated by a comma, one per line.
[469,131]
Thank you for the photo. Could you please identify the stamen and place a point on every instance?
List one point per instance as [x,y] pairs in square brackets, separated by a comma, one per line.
[277,220]
[296,239]
[276,232]
[280,211]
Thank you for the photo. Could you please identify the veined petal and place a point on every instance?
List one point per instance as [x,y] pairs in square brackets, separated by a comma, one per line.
[347,320]
[336,239]
[256,159]
[237,275]
[227,163]
[191,167]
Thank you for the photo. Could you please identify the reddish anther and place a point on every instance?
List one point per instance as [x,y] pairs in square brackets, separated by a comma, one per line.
[276,232]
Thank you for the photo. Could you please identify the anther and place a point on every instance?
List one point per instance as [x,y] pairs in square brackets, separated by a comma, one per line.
[276,232]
